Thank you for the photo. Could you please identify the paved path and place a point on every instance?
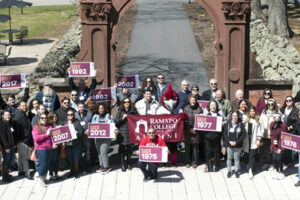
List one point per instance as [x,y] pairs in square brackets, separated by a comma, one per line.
[50,2]
[172,184]
[163,42]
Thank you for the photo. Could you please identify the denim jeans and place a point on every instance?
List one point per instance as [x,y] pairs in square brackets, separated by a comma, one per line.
[73,152]
[152,169]
[54,163]
[86,160]
[277,160]
[233,153]
[23,159]
[8,157]
[44,157]
[102,146]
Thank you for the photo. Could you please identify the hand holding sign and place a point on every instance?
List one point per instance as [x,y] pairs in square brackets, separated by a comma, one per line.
[101,130]
[208,123]
[63,134]
[153,154]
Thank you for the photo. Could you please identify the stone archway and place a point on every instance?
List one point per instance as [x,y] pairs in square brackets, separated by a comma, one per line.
[231,20]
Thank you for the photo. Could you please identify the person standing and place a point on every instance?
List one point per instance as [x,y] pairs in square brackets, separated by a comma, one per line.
[23,139]
[276,128]
[62,112]
[183,94]
[7,128]
[102,144]
[223,104]
[161,86]
[43,147]
[148,84]
[234,134]
[41,110]
[296,131]
[192,137]
[74,99]
[262,102]
[83,91]
[150,140]
[148,105]
[239,96]
[211,93]
[125,148]
[48,97]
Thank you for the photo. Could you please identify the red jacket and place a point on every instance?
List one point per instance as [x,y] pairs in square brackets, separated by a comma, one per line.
[156,142]
[275,135]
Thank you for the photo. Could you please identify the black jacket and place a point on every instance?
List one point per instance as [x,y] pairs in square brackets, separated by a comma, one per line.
[24,131]
[206,95]
[62,114]
[292,117]
[296,130]
[14,108]
[122,125]
[6,135]
[212,135]
[80,133]
[237,134]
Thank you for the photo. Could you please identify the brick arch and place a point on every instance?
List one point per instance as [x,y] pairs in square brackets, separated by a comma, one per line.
[230,19]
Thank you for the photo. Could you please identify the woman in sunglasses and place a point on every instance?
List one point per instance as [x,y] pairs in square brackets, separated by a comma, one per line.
[73,148]
[148,83]
[262,102]
[265,120]
[125,148]
[43,147]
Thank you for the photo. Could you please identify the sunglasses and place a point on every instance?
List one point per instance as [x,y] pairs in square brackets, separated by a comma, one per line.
[194,89]
[148,81]
[66,103]
[213,84]
[160,78]
[267,93]
[70,114]
[288,100]
[43,118]
[271,104]
[74,95]
[151,133]
[126,101]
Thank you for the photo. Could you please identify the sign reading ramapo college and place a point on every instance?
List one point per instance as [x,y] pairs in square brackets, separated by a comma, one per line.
[169,127]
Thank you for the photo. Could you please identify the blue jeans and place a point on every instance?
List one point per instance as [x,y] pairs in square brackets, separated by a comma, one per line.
[8,158]
[73,152]
[233,153]
[54,161]
[44,157]
[152,169]
[86,160]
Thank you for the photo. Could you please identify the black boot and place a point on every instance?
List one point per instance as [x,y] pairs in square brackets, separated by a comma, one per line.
[76,169]
[129,153]
[5,175]
[71,166]
[123,168]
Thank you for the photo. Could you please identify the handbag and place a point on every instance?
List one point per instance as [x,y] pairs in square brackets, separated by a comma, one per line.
[33,156]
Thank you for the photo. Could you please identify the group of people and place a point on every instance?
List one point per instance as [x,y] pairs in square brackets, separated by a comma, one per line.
[250,132]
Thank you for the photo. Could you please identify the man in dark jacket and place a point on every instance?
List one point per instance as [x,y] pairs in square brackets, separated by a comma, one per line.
[62,112]
[83,91]
[24,139]
[48,97]
[85,117]
[211,93]
[161,86]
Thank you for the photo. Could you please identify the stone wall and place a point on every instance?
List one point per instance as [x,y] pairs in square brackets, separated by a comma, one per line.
[279,60]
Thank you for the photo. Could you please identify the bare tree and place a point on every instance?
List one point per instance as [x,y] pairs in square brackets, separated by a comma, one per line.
[278,19]
[256,12]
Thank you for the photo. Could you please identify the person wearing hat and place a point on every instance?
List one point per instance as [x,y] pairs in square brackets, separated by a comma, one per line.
[211,93]
[265,120]
[276,128]
[48,97]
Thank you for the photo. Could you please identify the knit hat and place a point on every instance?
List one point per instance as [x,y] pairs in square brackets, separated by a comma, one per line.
[195,86]
[277,115]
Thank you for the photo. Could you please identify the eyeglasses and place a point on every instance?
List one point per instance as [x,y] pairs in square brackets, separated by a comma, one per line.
[66,103]
[126,101]
[267,93]
[160,77]
[151,133]
[288,100]
[43,118]
[194,89]
[271,104]
[74,95]
[213,84]
[148,81]
[69,114]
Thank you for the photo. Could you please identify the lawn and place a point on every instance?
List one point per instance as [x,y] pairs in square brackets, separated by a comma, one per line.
[42,21]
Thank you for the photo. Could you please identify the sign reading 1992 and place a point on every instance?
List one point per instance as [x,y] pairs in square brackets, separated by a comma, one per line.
[81,69]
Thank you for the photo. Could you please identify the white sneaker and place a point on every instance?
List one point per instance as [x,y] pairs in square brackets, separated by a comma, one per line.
[275,175]
[280,176]
[43,184]
[271,167]
[265,167]
[250,174]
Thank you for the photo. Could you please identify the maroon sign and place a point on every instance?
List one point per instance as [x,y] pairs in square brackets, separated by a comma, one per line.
[203,104]
[290,141]
[63,134]
[169,127]
[101,130]
[153,154]
[128,81]
[81,69]
[9,81]
[103,94]
[208,123]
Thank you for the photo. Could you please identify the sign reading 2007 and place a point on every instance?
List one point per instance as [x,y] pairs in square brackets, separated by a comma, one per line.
[63,134]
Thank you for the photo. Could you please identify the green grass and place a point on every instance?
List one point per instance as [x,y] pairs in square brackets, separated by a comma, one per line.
[42,21]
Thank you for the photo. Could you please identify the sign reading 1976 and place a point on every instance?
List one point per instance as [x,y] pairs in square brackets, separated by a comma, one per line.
[290,141]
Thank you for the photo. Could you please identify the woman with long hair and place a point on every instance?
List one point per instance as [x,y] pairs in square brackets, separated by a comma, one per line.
[265,120]
[213,139]
[73,148]
[102,144]
[33,108]
[125,148]
[43,147]
[54,163]
[262,102]
[147,84]
[253,137]
[243,109]
[234,134]
[192,137]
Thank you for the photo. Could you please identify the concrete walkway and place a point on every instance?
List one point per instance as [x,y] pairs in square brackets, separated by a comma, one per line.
[163,42]
[51,2]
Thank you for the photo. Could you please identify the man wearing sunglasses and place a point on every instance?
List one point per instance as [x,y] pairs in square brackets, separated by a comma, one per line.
[211,93]
[150,140]
[74,99]
[62,112]
[161,86]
